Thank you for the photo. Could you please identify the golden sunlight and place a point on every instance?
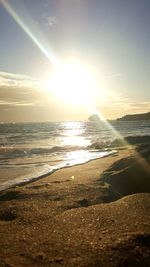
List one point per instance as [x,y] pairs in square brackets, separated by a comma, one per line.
[72,83]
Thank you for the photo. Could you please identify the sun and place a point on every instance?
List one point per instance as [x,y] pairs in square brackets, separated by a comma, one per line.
[72,83]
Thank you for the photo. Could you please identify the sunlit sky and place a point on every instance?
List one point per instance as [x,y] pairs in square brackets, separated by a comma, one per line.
[66,59]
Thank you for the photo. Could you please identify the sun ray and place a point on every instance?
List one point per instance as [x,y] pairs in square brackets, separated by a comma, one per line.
[48,52]
[27,29]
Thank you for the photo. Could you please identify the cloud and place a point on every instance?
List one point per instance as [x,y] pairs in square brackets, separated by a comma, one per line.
[111,98]
[51,21]
[20,104]
[17,80]
[143,106]
[115,75]
[115,105]
[17,90]
[14,104]
[11,96]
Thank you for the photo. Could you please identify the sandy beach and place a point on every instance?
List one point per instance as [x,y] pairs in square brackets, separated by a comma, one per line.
[95,214]
[74,133]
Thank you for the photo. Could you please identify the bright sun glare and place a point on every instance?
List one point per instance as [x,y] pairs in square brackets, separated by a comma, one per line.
[72,83]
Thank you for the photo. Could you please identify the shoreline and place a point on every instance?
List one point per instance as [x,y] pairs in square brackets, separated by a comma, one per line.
[27,180]
[64,219]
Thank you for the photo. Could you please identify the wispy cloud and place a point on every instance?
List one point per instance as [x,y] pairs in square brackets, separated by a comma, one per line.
[14,104]
[17,80]
[114,105]
[114,75]
[51,21]
[17,90]
[18,96]
[144,106]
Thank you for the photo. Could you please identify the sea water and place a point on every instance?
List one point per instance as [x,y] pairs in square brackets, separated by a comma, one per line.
[29,151]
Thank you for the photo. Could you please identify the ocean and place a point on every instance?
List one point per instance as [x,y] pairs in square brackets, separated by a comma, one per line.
[29,151]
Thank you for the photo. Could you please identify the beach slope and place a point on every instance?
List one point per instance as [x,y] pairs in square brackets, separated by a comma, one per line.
[65,219]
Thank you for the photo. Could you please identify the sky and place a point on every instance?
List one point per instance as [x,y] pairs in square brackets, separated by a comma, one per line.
[97,50]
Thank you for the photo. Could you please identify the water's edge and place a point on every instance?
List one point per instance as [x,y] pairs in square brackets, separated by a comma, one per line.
[29,179]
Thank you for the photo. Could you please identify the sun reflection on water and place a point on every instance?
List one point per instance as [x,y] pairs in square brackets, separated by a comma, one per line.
[76,141]
[74,135]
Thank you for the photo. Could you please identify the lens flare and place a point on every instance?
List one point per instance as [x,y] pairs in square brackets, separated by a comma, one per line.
[39,41]
[27,29]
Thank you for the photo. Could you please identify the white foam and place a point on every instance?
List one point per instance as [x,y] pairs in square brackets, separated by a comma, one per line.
[47,169]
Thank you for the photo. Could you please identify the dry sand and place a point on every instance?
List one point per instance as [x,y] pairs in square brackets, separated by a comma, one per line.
[64,220]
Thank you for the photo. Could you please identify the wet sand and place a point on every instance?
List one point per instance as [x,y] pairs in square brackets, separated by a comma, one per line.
[80,216]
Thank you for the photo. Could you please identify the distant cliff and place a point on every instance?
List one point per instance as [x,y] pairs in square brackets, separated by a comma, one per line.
[135,117]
